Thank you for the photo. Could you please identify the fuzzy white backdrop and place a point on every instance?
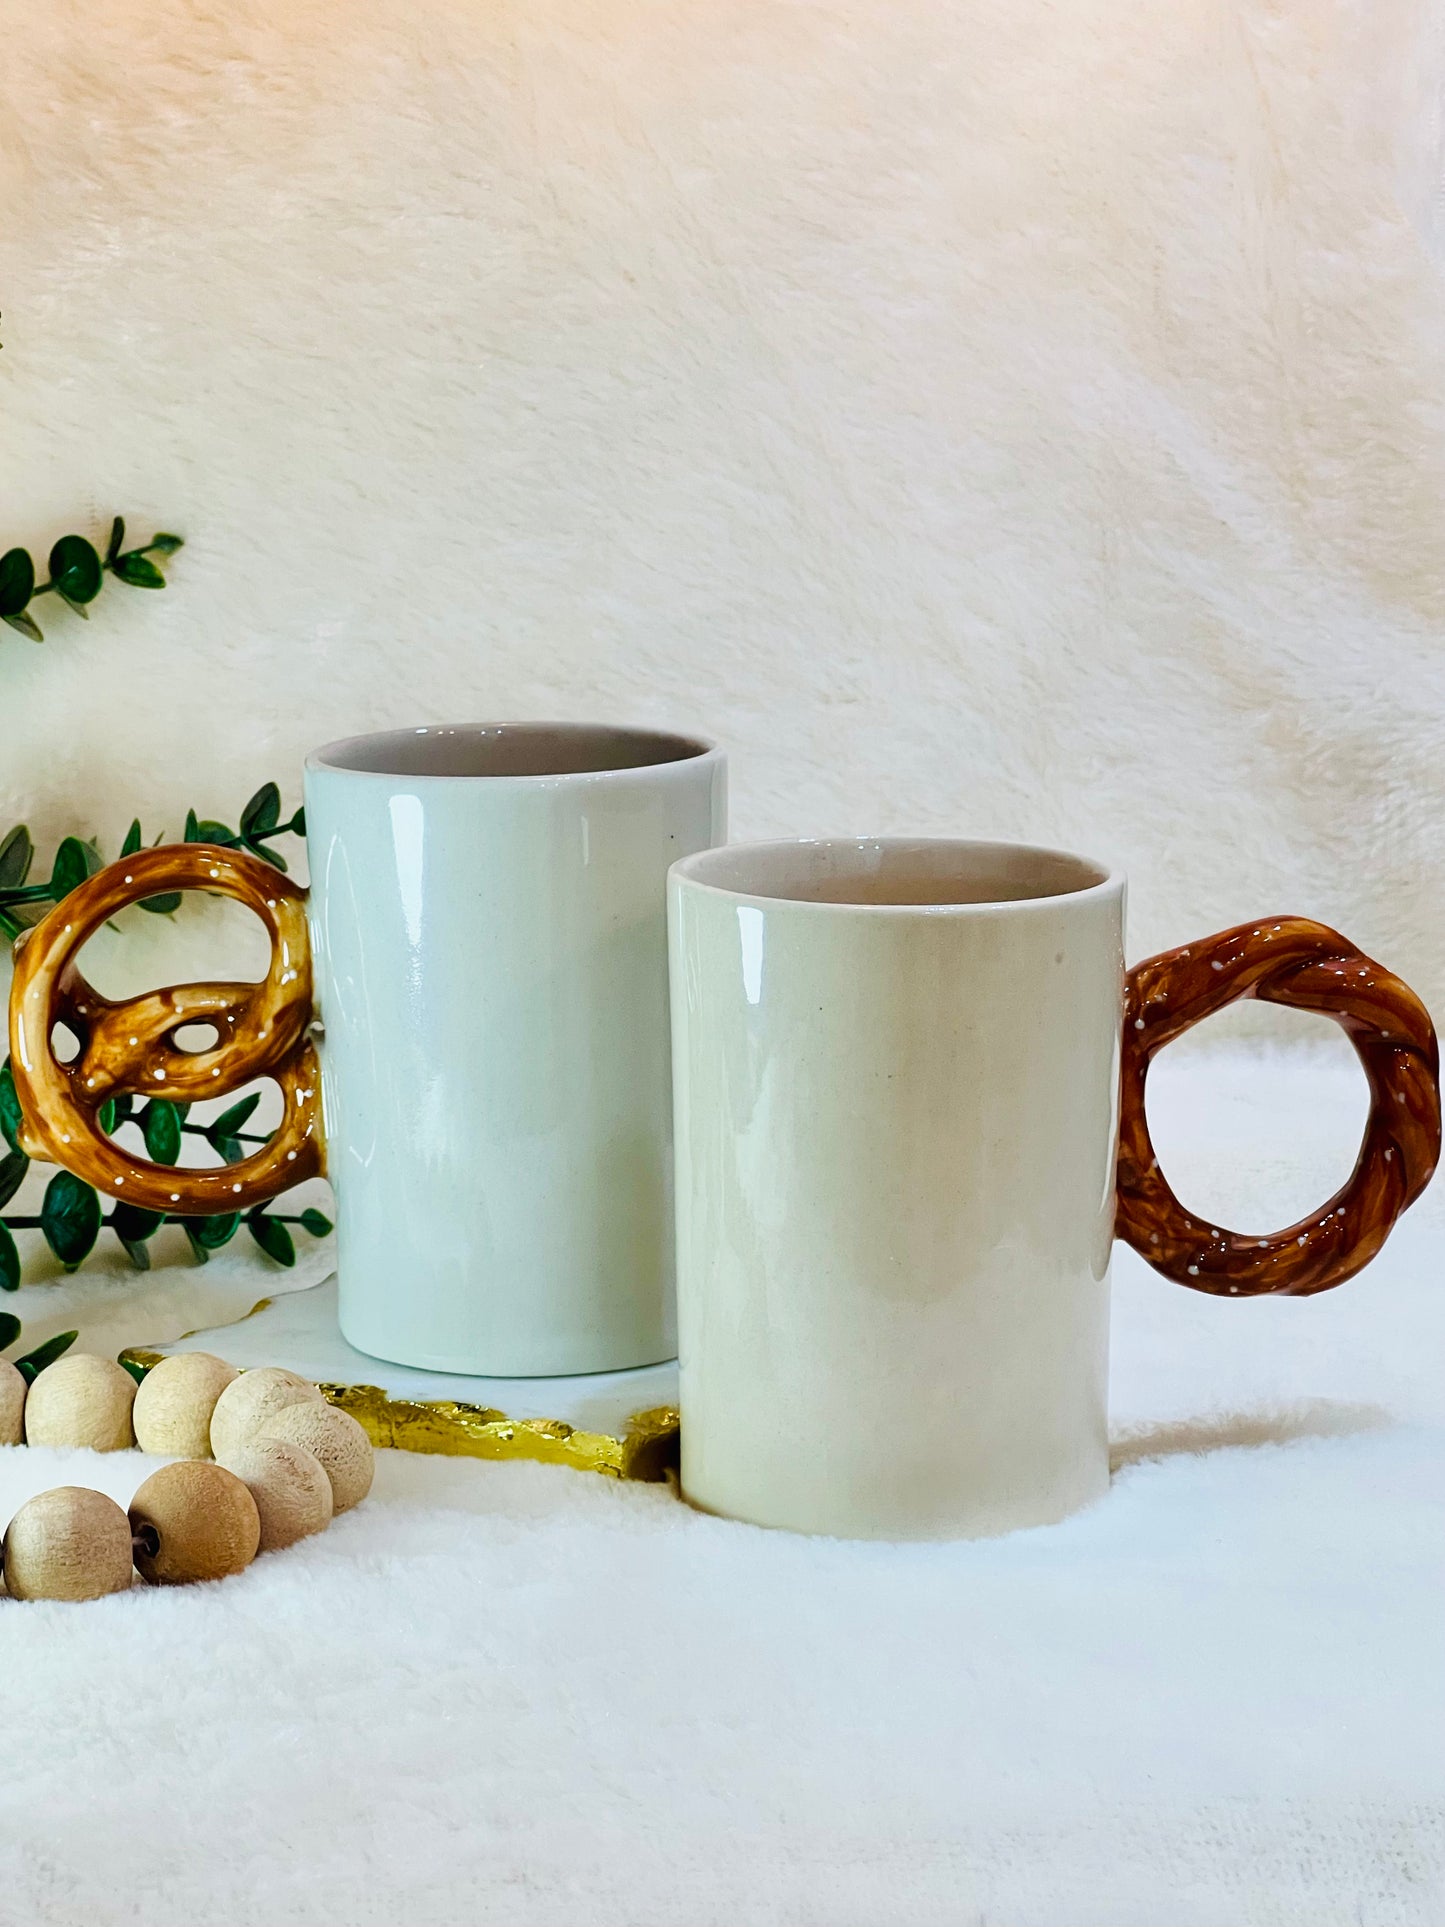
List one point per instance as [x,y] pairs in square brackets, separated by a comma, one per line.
[1021,416]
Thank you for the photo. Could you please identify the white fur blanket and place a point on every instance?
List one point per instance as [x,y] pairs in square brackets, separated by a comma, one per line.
[537,1698]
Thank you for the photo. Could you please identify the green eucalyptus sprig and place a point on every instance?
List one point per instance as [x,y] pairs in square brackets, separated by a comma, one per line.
[70,1216]
[77,574]
[260,821]
[43,1355]
[23,903]
[35,1362]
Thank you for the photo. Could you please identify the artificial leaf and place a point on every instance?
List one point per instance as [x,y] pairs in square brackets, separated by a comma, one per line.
[75,570]
[263,812]
[209,1234]
[117,536]
[232,1120]
[71,868]
[216,1231]
[106,1118]
[11,1118]
[209,831]
[162,1130]
[9,1329]
[12,1175]
[9,1261]
[130,1222]
[166,544]
[163,905]
[132,839]
[134,1366]
[26,625]
[33,1363]
[230,1150]
[268,855]
[10,925]
[70,1218]
[17,853]
[71,603]
[192,830]
[273,1237]
[298,822]
[17,581]
[133,1226]
[139,572]
[316,1222]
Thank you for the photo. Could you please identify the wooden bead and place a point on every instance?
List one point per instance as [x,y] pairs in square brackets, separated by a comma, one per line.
[69,1543]
[290,1487]
[193,1520]
[246,1405]
[174,1403]
[12,1405]
[81,1400]
[333,1437]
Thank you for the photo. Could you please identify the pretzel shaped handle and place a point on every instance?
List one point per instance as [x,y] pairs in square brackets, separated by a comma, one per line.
[1287,960]
[130,1046]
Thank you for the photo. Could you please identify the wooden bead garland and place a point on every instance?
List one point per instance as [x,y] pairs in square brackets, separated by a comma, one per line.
[333,1437]
[244,1406]
[194,1519]
[291,1489]
[12,1405]
[174,1403]
[68,1543]
[81,1400]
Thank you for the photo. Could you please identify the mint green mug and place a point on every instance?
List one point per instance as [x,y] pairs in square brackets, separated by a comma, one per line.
[467,1016]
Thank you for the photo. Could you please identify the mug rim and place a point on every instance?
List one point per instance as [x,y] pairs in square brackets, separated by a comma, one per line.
[692,748]
[1098,880]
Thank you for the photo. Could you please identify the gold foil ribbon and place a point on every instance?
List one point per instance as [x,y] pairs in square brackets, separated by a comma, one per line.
[646,1450]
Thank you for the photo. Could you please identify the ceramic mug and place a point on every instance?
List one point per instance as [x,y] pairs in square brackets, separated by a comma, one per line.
[485,933]
[909,1116]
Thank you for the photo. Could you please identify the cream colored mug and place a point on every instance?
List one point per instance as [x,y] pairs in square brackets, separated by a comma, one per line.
[909,1120]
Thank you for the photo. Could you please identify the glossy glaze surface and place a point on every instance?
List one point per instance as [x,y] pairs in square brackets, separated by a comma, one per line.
[130,1046]
[1307,966]
[896,1129]
[491,966]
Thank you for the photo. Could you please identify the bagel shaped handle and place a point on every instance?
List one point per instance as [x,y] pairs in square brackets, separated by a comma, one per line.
[130,1046]
[1284,960]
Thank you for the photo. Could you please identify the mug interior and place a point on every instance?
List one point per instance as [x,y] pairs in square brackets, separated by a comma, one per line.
[895,872]
[507,749]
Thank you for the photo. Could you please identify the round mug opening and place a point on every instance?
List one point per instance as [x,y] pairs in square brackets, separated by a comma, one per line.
[507,750]
[895,872]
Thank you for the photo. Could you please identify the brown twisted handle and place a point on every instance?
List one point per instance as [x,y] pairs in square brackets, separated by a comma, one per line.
[131,1046]
[1308,966]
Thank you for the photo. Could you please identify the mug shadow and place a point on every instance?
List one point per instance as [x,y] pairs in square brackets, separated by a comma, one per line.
[1319,1418]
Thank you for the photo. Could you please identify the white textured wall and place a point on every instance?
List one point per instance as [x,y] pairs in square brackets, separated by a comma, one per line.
[1014,416]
